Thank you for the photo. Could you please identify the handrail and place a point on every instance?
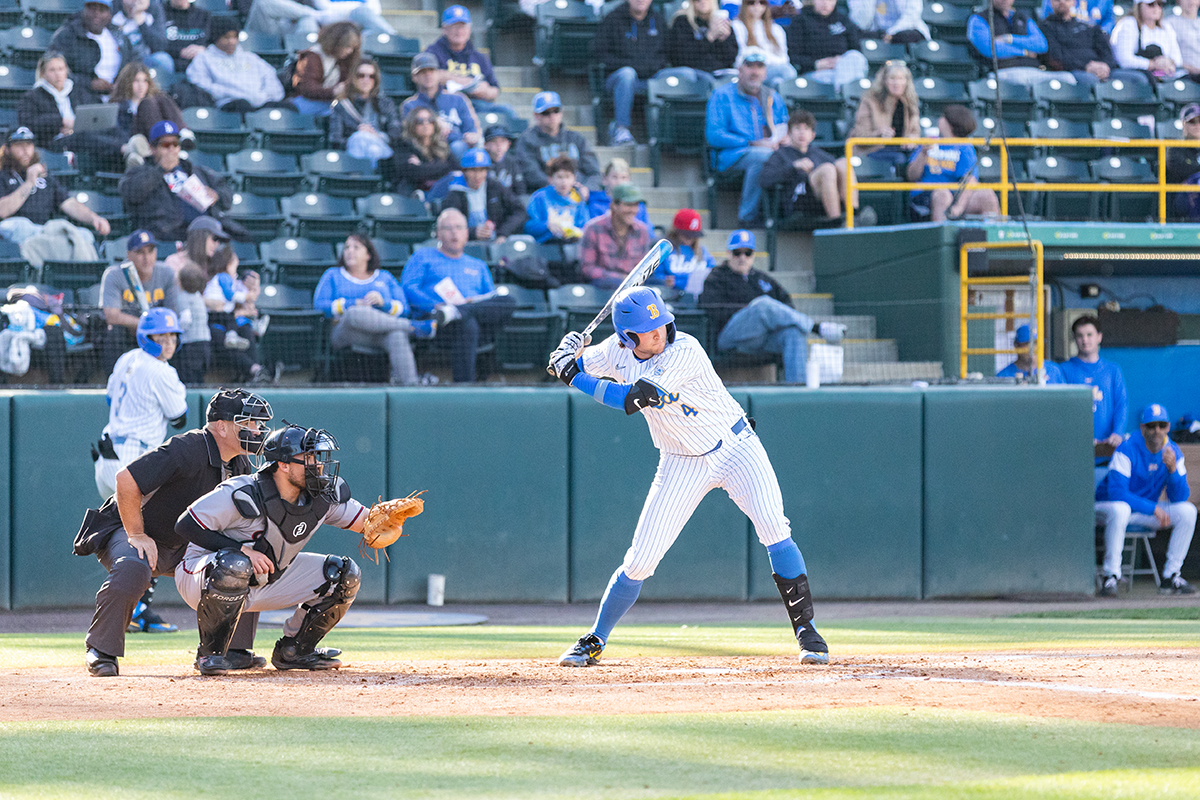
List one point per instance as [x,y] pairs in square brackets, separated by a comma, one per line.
[1003,186]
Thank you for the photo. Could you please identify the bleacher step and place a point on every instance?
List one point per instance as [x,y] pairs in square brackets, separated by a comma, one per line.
[857,327]
[880,350]
[515,77]
[636,155]
[891,372]
[812,304]
[796,281]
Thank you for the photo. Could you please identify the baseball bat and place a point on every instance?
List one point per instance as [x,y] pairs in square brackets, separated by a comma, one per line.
[636,277]
[134,281]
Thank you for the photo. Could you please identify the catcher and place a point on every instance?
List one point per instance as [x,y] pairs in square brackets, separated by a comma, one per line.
[245,553]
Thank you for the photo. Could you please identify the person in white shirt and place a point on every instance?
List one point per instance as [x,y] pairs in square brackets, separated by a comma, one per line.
[237,79]
[754,28]
[1141,41]
[1186,25]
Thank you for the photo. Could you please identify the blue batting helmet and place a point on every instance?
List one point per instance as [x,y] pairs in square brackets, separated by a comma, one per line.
[153,322]
[640,310]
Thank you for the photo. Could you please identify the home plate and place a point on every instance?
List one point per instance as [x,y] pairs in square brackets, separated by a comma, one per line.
[386,618]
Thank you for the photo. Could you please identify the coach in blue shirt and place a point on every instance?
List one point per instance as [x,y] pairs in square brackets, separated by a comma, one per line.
[1141,468]
[1110,404]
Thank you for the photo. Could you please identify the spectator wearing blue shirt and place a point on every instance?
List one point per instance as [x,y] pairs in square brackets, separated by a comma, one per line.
[744,123]
[559,211]
[369,309]
[1097,12]
[1142,467]
[1018,44]
[458,289]
[454,111]
[1022,368]
[1110,403]
[950,163]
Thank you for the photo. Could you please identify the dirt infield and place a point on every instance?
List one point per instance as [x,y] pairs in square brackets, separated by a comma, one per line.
[1155,688]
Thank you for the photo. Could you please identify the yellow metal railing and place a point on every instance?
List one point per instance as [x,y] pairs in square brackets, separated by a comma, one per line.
[1033,281]
[1003,186]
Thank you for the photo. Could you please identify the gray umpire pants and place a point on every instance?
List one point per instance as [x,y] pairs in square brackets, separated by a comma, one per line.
[128,578]
[370,327]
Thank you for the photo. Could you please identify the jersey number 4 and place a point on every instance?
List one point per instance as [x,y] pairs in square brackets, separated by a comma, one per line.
[687,410]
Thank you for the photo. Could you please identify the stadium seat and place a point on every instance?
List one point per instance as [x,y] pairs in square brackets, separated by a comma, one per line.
[937,93]
[1066,204]
[283,131]
[298,262]
[563,38]
[1121,98]
[525,339]
[213,161]
[950,62]
[675,113]
[396,86]
[527,299]
[298,42]
[266,173]
[879,52]
[13,268]
[258,215]
[248,255]
[25,45]
[72,274]
[14,83]
[576,295]
[51,14]
[822,100]
[320,217]
[852,93]
[396,217]
[339,175]
[1015,100]
[1121,130]
[947,22]
[392,53]
[1176,94]
[280,295]
[216,131]
[1169,129]
[989,172]
[109,207]
[11,13]
[8,121]
[1061,129]
[392,255]
[512,124]
[888,205]
[1065,101]
[267,46]
[1126,206]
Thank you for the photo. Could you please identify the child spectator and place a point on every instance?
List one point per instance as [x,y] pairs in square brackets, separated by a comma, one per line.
[690,262]
[233,317]
[195,343]
[948,163]
[813,181]
[507,169]
[558,211]
[616,173]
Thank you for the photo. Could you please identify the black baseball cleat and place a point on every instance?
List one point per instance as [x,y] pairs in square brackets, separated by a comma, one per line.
[813,649]
[101,665]
[1175,584]
[286,656]
[585,653]
[1109,587]
[215,664]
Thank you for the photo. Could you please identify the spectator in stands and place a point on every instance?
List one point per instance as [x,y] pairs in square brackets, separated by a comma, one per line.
[1096,12]
[146,31]
[166,194]
[141,104]
[237,79]
[744,124]
[121,308]
[30,196]
[701,39]
[1081,48]
[754,314]
[1186,25]
[463,67]
[493,213]
[48,109]
[616,173]
[323,70]
[369,308]
[1141,41]
[94,48]
[367,15]
[1019,43]
[948,163]
[195,343]
[547,139]
[205,237]
[754,28]
[1110,402]
[508,169]
[559,211]
[1022,368]
[896,21]
[690,262]
[631,42]
[824,42]
[281,17]
[365,123]
[1183,164]
[233,318]
[187,31]
[889,109]
[454,111]
[422,152]
[1142,468]
[467,312]
[613,243]
[813,182]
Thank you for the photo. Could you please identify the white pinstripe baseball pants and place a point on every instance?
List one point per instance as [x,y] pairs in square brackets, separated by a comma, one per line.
[740,467]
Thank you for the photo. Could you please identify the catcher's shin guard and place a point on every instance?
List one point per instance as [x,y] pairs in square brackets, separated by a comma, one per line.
[342,578]
[221,602]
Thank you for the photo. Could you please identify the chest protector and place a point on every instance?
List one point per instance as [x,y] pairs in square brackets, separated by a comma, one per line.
[289,526]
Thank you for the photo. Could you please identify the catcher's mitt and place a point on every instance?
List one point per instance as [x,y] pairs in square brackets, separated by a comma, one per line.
[385,522]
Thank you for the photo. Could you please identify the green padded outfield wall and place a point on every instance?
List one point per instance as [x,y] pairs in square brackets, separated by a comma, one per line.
[613,462]
[849,465]
[6,499]
[1008,500]
[494,462]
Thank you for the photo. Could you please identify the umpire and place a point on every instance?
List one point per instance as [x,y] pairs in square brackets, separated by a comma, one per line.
[133,533]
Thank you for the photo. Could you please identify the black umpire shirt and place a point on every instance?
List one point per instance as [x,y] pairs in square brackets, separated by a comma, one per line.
[47,197]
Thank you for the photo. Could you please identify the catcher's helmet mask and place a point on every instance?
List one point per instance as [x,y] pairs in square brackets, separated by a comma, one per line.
[641,310]
[312,447]
[249,412]
[154,322]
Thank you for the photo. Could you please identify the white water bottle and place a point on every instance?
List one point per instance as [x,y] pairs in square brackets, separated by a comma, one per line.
[812,373]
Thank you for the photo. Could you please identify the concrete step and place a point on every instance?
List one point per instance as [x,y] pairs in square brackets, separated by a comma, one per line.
[589,134]
[514,77]
[636,155]
[860,350]
[857,327]
[671,198]
[797,281]
[642,177]
[812,304]
[520,98]
[891,372]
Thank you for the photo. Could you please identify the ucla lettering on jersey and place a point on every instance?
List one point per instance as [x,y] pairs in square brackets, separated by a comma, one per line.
[942,159]
[468,70]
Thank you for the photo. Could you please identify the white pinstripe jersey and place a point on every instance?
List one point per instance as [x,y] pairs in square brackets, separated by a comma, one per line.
[697,410]
[143,393]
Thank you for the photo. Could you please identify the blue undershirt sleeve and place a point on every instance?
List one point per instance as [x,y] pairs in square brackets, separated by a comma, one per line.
[602,390]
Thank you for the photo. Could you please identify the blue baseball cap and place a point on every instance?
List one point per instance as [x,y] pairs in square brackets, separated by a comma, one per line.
[1023,336]
[455,14]
[140,239]
[544,101]
[740,240]
[106,3]
[1155,413]
[163,128]
[475,159]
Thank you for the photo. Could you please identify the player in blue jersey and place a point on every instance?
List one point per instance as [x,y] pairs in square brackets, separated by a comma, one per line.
[705,442]
[1110,403]
[1022,368]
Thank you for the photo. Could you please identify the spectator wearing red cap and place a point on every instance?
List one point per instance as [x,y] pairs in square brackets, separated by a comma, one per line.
[613,243]
[690,262]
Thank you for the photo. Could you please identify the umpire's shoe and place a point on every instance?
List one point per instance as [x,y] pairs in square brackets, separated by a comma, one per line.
[101,665]
[215,664]
[236,659]
[585,653]
[813,649]
[287,656]
[146,620]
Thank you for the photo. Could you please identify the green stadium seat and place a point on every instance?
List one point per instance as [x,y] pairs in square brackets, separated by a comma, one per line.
[216,131]
[675,113]
[320,217]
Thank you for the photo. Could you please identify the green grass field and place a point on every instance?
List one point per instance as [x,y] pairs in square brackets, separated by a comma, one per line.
[878,752]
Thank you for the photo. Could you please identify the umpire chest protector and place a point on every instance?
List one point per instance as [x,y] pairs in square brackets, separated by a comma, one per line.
[289,526]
